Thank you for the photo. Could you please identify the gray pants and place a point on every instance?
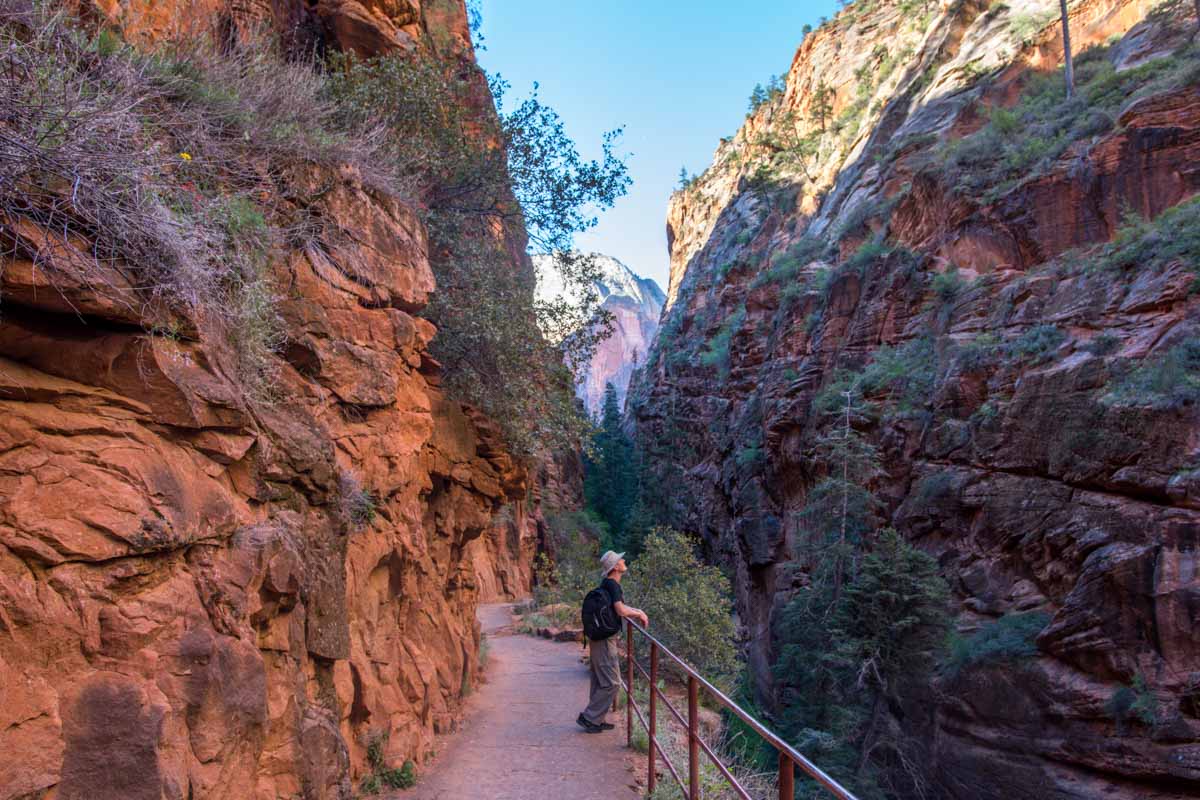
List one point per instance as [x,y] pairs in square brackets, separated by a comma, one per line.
[606,678]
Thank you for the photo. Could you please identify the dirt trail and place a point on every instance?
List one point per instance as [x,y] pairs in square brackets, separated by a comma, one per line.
[519,740]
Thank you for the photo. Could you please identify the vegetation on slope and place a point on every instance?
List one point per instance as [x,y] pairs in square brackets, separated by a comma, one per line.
[1023,141]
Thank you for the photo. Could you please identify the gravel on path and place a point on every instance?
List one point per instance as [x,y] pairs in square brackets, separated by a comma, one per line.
[519,740]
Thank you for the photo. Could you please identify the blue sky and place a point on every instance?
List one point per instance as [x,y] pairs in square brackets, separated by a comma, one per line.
[675,74]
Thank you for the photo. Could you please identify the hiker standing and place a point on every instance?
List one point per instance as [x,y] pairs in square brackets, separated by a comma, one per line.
[603,609]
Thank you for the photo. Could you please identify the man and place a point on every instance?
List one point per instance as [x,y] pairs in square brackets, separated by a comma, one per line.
[604,658]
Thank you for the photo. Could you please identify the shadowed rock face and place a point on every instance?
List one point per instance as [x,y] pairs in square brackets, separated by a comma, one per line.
[1035,487]
[189,607]
[635,304]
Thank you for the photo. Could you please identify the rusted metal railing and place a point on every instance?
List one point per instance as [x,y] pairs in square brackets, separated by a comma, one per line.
[789,758]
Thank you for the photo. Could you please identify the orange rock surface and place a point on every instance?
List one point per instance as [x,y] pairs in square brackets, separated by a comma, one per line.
[190,607]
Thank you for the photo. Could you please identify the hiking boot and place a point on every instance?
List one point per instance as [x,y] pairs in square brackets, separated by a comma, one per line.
[606,726]
[588,727]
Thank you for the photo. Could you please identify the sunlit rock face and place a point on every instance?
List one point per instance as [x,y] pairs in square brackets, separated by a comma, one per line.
[203,596]
[635,304]
[1020,463]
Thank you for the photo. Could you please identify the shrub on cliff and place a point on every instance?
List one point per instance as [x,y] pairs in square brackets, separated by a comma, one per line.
[1023,141]
[1011,638]
[1164,380]
[689,603]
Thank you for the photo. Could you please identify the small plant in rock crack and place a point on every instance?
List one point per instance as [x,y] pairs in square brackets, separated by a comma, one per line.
[381,775]
[358,504]
[1134,702]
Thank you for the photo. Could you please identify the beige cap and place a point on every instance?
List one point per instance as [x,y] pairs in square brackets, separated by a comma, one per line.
[608,561]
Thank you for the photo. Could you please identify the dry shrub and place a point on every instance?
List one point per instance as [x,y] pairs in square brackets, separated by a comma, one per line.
[76,160]
[173,167]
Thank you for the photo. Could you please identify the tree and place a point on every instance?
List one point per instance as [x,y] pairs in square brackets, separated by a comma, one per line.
[689,604]
[492,187]
[840,509]
[821,107]
[685,180]
[757,98]
[1068,60]
[839,669]
[891,625]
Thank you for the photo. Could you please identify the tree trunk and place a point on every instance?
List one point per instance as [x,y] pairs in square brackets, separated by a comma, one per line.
[1067,59]
[868,743]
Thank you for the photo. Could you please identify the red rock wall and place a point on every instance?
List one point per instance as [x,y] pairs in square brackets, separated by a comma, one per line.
[1031,492]
[187,609]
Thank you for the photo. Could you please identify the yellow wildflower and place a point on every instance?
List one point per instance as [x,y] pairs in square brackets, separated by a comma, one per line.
[186,156]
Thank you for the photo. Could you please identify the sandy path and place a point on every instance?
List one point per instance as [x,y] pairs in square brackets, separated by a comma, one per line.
[519,740]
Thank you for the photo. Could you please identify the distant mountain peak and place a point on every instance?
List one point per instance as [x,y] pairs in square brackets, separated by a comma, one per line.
[635,303]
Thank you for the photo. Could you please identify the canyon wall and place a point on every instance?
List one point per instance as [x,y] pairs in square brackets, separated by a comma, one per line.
[208,595]
[1003,367]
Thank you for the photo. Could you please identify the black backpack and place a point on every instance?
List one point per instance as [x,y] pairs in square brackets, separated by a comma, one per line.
[600,620]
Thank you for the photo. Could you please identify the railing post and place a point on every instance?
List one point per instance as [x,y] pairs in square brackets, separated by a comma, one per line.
[628,683]
[651,777]
[693,740]
[787,780]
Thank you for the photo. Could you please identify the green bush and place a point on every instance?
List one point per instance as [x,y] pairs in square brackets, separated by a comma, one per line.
[1036,344]
[716,352]
[867,254]
[1103,345]
[1167,380]
[357,506]
[1008,639]
[572,573]
[689,603]
[935,487]
[946,286]
[903,375]
[382,775]
[980,353]
[906,373]
[152,159]
[749,456]
[1173,235]
[1136,701]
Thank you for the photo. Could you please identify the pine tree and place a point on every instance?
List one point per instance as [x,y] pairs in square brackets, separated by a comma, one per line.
[842,661]
[610,483]
[684,180]
[821,108]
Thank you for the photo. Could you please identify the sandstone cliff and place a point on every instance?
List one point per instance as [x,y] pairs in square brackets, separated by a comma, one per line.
[204,595]
[635,304]
[1002,358]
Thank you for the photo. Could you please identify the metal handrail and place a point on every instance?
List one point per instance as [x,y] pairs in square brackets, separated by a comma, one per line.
[788,756]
